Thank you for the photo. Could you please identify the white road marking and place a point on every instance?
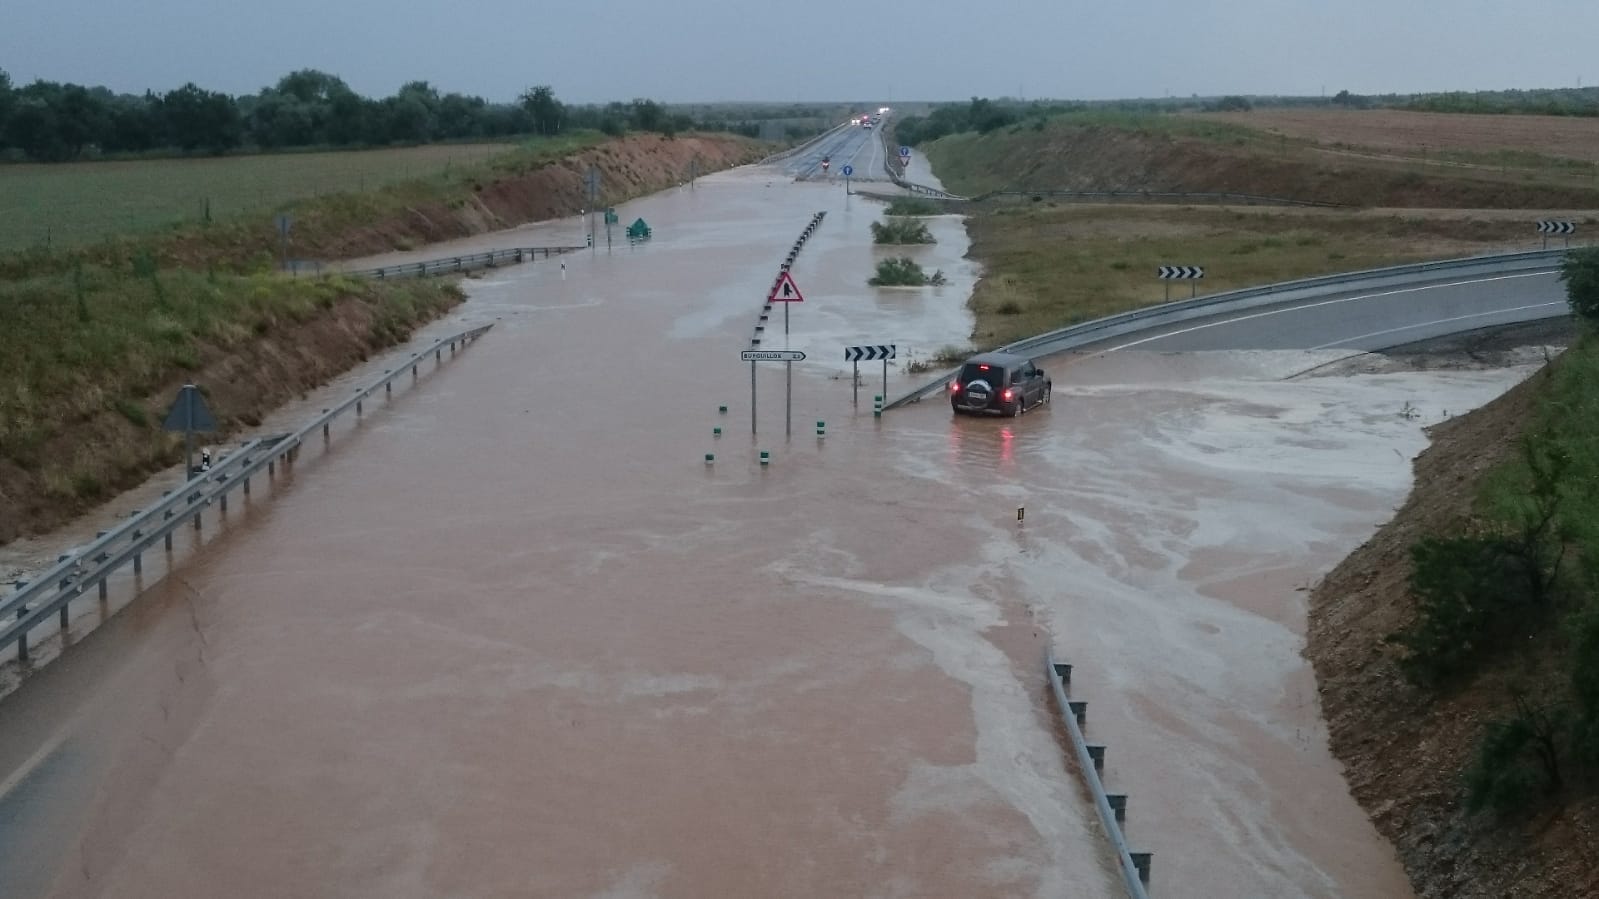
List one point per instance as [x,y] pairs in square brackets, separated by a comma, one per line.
[33,762]
[1367,296]
[1439,321]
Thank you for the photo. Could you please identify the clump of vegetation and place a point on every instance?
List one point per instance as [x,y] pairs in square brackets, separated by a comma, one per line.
[912,206]
[1580,271]
[947,357]
[904,272]
[901,232]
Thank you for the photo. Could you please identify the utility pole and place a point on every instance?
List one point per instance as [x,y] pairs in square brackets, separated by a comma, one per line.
[594,195]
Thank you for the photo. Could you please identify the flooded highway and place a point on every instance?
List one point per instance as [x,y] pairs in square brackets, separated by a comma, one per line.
[511,636]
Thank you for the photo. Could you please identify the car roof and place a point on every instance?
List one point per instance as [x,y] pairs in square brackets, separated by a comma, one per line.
[1005,359]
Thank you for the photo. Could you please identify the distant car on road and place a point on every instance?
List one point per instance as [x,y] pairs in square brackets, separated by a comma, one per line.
[1000,383]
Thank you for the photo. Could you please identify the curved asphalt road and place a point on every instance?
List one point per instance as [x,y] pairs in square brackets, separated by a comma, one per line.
[1364,320]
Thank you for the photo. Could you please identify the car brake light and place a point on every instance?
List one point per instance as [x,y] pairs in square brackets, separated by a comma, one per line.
[1007,394]
[982,368]
[954,387]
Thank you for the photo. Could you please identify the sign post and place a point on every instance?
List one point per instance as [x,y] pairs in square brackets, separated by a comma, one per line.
[848,170]
[1189,273]
[188,415]
[592,181]
[285,222]
[785,291]
[1563,228]
[854,355]
[789,357]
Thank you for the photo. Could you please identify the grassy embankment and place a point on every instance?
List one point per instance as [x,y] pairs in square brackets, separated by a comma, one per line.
[105,348]
[1052,264]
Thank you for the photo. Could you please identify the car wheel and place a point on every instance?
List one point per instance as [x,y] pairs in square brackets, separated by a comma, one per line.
[1021,406]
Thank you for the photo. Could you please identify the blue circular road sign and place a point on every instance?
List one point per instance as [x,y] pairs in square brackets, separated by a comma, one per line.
[849,170]
[904,151]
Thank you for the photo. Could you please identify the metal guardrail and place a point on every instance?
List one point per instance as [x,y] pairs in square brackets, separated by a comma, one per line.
[467,263]
[788,263]
[1134,865]
[52,591]
[1250,298]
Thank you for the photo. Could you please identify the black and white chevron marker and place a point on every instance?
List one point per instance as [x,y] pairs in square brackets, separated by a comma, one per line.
[1556,228]
[1180,272]
[868,353]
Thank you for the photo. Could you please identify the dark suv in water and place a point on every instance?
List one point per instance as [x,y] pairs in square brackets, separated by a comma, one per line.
[999,382]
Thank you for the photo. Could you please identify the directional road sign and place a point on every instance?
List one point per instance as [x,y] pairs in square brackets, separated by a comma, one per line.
[1180,272]
[771,356]
[848,170]
[189,414]
[869,353]
[905,152]
[1556,228]
[785,291]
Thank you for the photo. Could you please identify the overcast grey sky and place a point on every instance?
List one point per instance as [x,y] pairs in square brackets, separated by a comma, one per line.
[678,50]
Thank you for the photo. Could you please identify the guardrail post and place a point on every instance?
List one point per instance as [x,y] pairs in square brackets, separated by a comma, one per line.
[197,514]
[1118,804]
[22,639]
[324,428]
[138,561]
[246,485]
[223,501]
[1142,861]
[62,615]
[438,355]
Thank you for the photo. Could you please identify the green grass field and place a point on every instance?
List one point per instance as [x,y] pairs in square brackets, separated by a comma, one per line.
[1051,266]
[72,204]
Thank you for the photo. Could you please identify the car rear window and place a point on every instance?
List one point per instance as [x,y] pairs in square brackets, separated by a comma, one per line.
[974,371]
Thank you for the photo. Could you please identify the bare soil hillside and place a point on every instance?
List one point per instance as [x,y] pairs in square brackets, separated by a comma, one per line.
[1408,133]
[1204,159]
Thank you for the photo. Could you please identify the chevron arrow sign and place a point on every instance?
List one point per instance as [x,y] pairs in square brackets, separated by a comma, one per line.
[1556,228]
[868,353]
[1180,272]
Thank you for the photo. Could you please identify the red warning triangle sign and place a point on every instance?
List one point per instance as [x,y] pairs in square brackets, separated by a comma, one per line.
[785,291]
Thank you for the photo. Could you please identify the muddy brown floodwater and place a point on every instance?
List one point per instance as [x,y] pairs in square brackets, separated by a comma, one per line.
[510,636]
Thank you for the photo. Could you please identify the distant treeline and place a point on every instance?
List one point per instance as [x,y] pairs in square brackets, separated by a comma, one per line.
[1562,101]
[52,122]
